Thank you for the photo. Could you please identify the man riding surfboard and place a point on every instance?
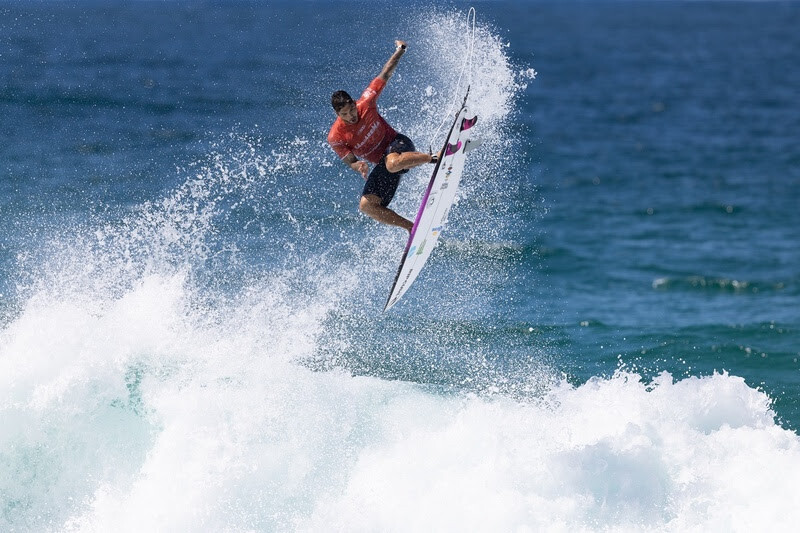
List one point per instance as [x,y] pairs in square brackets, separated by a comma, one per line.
[360,135]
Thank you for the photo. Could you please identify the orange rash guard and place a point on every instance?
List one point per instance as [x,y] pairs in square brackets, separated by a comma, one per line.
[370,136]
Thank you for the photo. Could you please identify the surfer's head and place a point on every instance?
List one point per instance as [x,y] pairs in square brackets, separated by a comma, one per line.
[345,107]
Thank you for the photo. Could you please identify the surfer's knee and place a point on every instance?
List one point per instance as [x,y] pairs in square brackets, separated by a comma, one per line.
[394,163]
[368,204]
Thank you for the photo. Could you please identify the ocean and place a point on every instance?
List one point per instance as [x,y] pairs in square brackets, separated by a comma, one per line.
[191,330]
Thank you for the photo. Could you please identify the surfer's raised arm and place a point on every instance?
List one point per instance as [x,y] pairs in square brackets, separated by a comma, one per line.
[391,65]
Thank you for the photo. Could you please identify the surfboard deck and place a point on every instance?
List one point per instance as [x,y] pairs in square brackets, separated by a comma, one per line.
[436,203]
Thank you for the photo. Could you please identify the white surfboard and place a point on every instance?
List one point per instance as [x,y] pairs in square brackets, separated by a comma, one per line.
[436,203]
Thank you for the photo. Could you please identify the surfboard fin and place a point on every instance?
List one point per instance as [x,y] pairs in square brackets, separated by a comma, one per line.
[452,148]
[472,144]
[467,123]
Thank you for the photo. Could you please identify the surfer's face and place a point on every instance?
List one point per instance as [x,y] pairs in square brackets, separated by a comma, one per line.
[349,113]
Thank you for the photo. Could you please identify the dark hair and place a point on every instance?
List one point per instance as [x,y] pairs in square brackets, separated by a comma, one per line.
[339,99]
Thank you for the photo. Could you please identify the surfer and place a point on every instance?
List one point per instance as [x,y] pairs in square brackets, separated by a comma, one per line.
[360,135]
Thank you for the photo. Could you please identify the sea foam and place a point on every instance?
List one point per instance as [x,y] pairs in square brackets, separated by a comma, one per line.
[144,416]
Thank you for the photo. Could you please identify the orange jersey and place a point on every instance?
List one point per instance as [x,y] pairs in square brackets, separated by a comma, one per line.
[370,136]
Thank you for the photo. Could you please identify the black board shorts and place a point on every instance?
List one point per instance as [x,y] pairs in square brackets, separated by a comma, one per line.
[381,182]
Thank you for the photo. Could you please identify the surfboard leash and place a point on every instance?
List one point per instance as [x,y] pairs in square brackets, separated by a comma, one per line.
[466,66]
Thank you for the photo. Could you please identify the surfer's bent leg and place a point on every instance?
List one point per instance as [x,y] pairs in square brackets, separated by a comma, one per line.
[378,192]
[401,155]
[371,205]
[406,160]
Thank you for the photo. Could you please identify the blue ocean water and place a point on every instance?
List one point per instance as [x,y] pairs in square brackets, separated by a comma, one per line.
[190,303]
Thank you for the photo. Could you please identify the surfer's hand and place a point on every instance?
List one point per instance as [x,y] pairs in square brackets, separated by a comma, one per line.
[361,167]
[401,45]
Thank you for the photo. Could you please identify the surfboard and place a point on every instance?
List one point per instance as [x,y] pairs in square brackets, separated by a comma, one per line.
[436,203]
